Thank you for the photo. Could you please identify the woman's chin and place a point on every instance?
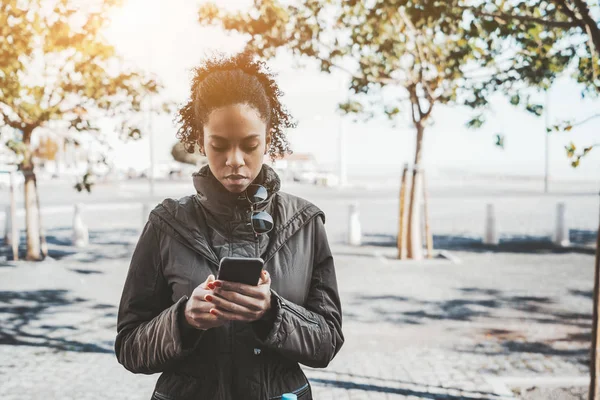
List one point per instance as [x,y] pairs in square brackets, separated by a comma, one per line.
[235,187]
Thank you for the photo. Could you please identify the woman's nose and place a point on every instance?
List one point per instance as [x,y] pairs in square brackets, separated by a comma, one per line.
[235,159]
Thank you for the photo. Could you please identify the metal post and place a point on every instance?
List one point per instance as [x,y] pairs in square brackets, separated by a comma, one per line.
[342,146]
[151,142]
[594,392]
[547,143]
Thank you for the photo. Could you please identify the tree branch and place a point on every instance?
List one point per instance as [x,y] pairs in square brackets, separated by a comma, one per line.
[9,122]
[384,81]
[583,121]
[503,18]
[568,12]
[415,106]
[420,55]
[593,31]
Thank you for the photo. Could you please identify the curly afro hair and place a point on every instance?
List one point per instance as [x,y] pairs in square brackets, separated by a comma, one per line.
[221,81]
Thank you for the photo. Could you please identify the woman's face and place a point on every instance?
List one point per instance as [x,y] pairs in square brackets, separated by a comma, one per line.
[235,141]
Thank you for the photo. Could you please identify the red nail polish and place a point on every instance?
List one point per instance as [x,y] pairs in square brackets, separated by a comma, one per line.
[218,284]
[208,297]
[214,312]
[211,286]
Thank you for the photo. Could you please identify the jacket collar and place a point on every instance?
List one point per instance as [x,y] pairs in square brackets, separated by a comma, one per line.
[215,198]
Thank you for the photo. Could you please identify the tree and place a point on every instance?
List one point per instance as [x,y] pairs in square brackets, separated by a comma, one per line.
[529,43]
[58,72]
[398,56]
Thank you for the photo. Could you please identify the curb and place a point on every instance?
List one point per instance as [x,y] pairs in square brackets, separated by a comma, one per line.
[389,255]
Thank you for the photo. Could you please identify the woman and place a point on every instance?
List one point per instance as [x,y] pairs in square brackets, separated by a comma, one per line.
[220,340]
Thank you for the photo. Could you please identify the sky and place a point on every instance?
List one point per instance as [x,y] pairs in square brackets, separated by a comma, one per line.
[166,40]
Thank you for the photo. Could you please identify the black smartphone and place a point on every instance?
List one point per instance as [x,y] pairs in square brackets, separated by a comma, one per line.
[241,269]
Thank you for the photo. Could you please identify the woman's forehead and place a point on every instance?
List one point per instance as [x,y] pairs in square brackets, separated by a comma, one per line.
[239,120]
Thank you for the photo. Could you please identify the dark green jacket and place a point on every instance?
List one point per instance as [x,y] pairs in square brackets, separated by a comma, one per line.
[179,247]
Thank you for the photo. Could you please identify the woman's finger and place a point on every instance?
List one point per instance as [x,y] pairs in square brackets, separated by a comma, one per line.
[201,307]
[265,278]
[231,316]
[250,303]
[246,290]
[209,283]
[224,304]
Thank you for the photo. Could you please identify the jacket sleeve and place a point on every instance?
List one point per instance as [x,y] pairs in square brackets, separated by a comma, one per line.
[151,330]
[311,335]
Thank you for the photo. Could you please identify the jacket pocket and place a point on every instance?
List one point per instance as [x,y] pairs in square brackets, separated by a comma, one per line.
[159,396]
[300,392]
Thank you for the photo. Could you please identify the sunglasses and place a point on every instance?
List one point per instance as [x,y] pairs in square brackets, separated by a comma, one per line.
[261,221]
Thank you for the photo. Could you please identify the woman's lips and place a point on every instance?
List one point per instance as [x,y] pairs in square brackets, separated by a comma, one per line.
[236,179]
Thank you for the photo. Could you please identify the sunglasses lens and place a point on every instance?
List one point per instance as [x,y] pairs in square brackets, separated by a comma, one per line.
[257,194]
[262,222]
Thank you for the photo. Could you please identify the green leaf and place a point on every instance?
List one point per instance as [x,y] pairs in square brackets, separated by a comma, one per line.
[536,109]
[476,123]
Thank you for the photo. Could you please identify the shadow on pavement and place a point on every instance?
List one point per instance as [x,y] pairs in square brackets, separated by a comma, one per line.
[383,381]
[52,319]
[581,241]
[111,244]
[465,395]
[490,308]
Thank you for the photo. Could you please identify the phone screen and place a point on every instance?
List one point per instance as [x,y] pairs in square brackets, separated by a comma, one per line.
[240,269]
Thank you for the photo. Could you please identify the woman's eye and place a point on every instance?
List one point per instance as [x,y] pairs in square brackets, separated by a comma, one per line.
[251,148]
[217,148]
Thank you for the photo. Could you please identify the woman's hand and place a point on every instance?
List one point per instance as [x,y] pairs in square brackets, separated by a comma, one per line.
[240,302]
[197,309]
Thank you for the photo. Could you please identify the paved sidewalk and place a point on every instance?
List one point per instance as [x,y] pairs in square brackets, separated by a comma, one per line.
[433,330]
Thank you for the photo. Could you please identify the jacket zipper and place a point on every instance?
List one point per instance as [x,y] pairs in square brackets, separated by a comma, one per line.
[298,392]
[161,396]
[302,391]
[300,315]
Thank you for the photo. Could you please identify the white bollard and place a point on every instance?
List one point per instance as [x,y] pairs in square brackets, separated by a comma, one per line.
[354,231]
[490,236]
[561,234]
[7,227]
[80,231]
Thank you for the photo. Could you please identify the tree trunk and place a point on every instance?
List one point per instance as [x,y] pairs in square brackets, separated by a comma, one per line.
[415,245]
[402,226]
[31,213]
[594,361]
[591,26]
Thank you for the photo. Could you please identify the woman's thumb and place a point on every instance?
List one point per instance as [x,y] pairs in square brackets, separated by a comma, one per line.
[211,278]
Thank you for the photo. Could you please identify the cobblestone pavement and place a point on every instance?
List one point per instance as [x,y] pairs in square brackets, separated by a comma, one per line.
[431,330]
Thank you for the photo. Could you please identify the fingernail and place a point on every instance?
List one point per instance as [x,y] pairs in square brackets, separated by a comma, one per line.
[213,312]
[208,297]
[211,286]
[218,284]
